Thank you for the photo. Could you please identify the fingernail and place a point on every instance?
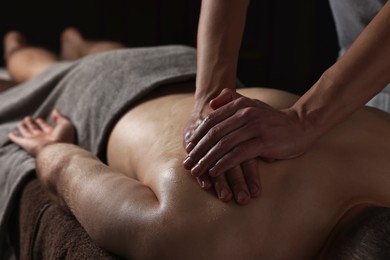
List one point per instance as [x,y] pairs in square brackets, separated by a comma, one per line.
[187,136]
[189,147]
[224,194]
[188,162]
[195,170]
[254,189]
[242,195]
[204,184]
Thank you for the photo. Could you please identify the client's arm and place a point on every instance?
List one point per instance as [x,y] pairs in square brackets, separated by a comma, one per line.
[116,211]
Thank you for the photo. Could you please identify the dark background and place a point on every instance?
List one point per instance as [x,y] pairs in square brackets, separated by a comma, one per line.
[287,44]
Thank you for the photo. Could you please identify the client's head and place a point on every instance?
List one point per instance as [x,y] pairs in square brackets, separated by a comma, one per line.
[365,236]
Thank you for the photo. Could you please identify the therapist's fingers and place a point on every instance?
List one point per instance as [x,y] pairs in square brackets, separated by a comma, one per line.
[221,187]
[216,117]
[216,142]
[227,95]
[241,153]
[189,129]
[207,155]
[205,182]
[210,121]
[252,176]
[238,184]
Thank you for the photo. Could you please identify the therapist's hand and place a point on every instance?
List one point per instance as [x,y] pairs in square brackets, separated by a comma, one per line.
[241,130]
[241,183]
[198,114]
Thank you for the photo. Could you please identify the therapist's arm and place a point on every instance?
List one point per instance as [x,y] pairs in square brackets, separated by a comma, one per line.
[220,30]
[245,128]
[362,72]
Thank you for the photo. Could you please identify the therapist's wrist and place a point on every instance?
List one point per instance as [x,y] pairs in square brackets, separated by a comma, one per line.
[296,136]
[321,107]
[205,93]
[311,128]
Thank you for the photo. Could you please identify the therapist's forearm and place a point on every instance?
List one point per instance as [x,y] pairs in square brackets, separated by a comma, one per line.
[221,26]
[362,72]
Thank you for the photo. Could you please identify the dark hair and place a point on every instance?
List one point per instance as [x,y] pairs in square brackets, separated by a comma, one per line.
[366,236]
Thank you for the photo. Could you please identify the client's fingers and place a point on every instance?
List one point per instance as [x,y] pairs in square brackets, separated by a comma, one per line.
[32,125]
[58,118]
[24,130]
[55,116]
[44,125]
[22,141]
[15,138]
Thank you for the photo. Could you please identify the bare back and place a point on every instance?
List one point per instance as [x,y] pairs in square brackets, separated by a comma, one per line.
[302,199]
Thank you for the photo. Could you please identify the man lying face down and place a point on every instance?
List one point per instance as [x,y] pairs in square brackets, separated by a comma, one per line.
[329,203]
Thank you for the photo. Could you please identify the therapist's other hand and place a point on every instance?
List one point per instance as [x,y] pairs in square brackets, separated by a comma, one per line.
[241,183]
[243,129]
[35,134]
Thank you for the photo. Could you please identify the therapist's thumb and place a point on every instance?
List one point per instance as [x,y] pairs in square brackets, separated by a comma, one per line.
[227,95]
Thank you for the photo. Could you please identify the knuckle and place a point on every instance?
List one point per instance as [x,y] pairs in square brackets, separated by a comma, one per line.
[202,163]
[247,112]
[208,119]
[239,185]
[213,133]
[223,144]
[241,101]
[219,184]
[237,151]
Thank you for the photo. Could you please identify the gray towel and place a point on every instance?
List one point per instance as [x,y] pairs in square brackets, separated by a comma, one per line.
[92,92]
[351,17]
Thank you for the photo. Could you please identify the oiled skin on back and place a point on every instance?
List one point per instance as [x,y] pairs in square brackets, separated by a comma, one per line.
[302,199]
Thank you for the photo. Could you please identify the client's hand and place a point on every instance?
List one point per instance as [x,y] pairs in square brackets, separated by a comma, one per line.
[240,130]
[35,134]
